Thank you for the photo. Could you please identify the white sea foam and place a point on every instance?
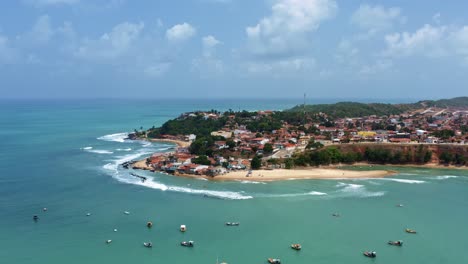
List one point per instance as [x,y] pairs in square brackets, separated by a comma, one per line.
[357,190]
[403,180]
[117,137]
[445,177]
[312,193]
[123,177]
[99,151]
[125,149]
[87,148]
[251,182]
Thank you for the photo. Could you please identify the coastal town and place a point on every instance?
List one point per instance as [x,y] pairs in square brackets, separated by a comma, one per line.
[241,144]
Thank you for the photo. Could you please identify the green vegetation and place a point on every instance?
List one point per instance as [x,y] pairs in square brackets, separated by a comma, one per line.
[443,134]
[334,155]
[453,102]
[449,158]
[202,159]
[256,163]
[351,109]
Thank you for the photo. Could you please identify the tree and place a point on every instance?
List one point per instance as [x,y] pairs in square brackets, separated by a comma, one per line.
[231,144]
[267,148]
[289,164]
[202,159]
[256,163]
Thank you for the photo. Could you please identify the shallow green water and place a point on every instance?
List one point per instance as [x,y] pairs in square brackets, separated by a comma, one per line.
[46,162]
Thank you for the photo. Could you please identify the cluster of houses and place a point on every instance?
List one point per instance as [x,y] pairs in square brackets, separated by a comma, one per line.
[180,162]
[416,127]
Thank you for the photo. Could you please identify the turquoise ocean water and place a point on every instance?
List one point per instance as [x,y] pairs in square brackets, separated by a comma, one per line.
[63,155]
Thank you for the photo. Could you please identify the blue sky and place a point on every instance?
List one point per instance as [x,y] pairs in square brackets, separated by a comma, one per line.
[233,48]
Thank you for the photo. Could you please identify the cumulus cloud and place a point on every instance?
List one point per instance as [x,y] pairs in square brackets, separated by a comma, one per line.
[429,41]
[180,32]
[208,65]
[210,41]
[284,32]
[376,18]
[113,44]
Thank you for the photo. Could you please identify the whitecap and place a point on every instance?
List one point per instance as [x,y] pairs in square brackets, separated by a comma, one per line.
[99,151]
[252,182]
[357,190]
[311,193]
[445,177]
[86,148]
[117,137]
[125,149]
[403,180]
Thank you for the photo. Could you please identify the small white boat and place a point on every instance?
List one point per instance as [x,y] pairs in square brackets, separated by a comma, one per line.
[108,241]
[88,214]
[232,223]
[115,230]
[148,244]
[187,243]
[126,212]
[183,228]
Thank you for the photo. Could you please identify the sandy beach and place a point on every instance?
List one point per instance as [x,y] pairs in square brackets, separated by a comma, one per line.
[180,143]
[283,174]
[308,173]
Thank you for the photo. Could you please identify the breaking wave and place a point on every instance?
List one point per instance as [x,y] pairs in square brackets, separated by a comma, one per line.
[113,169]
[117,137]
[312,193]
[403,180]
[125,149]
[99,151]
[356,190]
[445,177]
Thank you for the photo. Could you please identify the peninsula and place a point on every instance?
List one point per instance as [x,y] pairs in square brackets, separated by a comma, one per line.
[310,141]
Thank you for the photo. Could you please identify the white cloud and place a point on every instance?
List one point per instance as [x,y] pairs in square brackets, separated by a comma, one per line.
[42,31]
[428,41]
[208,65]
[376,18]
[210,42]
[157,70]
[113,44]
[41,3]
[180,32]
[285,31]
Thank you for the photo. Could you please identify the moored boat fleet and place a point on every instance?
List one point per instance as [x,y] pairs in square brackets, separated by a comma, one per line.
[294,246]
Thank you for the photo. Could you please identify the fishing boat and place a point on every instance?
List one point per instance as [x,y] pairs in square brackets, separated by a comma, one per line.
[108,241]
[187,243]
[370,254]
[396,243]
[274,261]
[149,224]
[148,244]
[183,228]
[232,223]
[411,231]
[296,246]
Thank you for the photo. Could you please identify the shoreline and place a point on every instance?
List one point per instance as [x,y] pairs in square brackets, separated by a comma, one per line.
[281,174]
[323,173]
[180,143]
